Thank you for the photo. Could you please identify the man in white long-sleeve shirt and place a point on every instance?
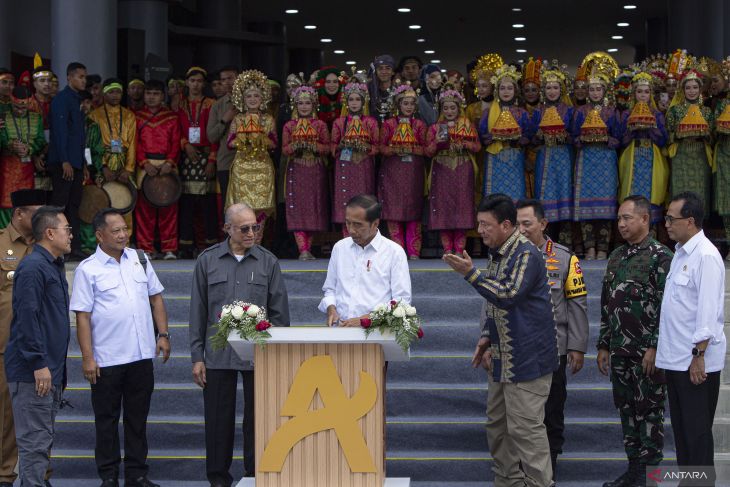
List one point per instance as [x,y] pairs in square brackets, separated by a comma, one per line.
[691,345]
[365,269]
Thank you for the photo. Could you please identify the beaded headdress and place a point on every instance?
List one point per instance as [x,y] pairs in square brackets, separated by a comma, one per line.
[251,80]
[357,88]
[506,71]
[554,72]
[304,92]
[404,91]
[451,95]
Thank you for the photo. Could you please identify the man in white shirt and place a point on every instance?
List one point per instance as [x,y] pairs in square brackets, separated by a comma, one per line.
[115,297]
[365,269]
[692,344]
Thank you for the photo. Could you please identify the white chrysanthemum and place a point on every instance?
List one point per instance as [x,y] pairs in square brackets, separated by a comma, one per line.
[411,311]
[399,312]
[226,310]
[237,312]
[253,310]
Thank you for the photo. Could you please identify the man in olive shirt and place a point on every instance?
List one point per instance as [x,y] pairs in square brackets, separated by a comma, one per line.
[233,270]
[16,241]
[219,122]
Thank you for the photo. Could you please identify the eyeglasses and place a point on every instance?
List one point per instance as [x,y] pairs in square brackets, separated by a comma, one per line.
[248,228]
[68,229]
[669,219]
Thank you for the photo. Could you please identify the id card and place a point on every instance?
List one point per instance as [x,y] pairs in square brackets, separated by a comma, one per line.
[25,159]
[406,158]
[346,154]
[194,135]
[87,156]
[116,146]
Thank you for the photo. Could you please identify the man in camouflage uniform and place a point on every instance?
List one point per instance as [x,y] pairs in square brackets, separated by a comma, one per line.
[570,304]
[630,303]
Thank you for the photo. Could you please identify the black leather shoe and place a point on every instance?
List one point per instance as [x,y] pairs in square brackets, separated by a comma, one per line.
[140,482]
[110,483]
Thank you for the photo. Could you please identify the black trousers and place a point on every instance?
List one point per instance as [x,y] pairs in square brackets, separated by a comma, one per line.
[128,387]
[555,411]
[223,177]
[67,194]
[692,408]
[219,400]
[189,205]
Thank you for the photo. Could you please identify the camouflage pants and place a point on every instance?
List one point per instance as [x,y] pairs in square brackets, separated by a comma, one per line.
[640,401]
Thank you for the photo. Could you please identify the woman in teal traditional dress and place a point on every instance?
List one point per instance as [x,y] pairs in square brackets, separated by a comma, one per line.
[554,164]
[643,170]
[722,163]
[505,131]
[690,125]
[596,134]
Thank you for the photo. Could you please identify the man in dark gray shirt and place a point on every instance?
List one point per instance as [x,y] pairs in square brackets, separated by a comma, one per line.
[219,122]
[235,269]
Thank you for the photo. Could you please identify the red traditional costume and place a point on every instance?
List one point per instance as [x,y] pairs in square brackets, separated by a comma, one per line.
[158,142]
[402,175]
[451,188]
[305,141]
[354,144]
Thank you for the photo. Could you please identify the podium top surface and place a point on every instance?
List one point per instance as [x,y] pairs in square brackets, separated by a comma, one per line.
[323,334]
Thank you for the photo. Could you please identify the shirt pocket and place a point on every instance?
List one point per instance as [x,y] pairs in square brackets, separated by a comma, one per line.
[139,275]
[682,284]
[258,290]
[7,269]
[217,280]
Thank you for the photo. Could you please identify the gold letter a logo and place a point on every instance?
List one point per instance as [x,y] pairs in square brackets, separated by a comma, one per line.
[339,413]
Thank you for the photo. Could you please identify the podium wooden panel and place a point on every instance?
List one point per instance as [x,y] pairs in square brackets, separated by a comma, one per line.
[317,460]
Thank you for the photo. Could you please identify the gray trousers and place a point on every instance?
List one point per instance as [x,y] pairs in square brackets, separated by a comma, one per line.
[34,430]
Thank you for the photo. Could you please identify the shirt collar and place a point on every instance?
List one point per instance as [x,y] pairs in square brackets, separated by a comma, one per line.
[692,243]
[15,235]
[103,257]
[375,243]
[502,250]
[50,258]
[225,249]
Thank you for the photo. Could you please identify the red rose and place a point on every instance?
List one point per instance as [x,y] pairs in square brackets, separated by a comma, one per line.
[263,325]
[245,308]
[420,332]
[219,316]
[393,303]
[366,322]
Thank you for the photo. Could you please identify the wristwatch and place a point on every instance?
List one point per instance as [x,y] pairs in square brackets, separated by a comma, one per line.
[163,335]
[697,352]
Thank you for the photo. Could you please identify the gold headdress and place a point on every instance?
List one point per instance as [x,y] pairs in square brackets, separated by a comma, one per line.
[642,78]
[505,71]
[531,71]
[486,65]
[678,63]
[554,72]
[248,81]
[601,66]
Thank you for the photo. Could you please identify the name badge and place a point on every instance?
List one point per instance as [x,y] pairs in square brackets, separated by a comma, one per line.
[406,158]
[194,135]
[25,159]
[87,156]
[346,154]
[116,146]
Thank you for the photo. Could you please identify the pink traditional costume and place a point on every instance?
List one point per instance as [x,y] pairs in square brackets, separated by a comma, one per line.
[402,175]
[306,143]
[451,182]
[354,146]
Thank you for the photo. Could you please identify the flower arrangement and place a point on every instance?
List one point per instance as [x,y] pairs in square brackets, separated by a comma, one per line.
[247,319]
[397,318]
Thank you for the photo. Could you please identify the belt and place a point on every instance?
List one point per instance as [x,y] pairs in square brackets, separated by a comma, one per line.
[155,157]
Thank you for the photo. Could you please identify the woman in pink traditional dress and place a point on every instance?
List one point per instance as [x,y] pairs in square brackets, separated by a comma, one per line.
[354,146]
[402,174]
[452,142]
[305,141]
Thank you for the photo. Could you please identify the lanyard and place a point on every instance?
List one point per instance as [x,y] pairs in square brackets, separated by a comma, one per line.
[17,127]
[188,109]
[109,123]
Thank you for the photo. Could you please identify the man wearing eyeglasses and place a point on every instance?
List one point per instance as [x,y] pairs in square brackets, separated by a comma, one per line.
[630,302]
[234,270]
[692,342]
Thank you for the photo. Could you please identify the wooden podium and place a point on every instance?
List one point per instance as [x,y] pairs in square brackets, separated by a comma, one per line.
[319,406]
